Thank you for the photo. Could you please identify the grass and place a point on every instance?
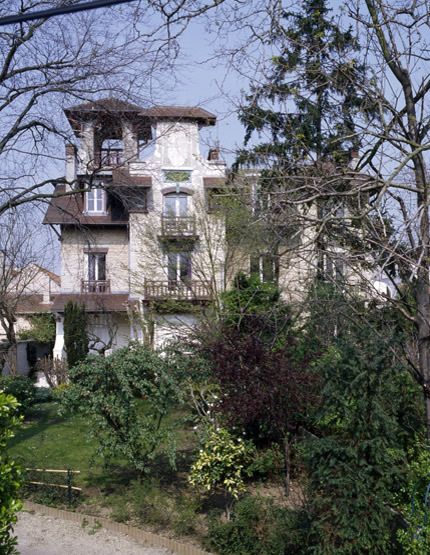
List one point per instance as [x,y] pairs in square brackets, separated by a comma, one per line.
[161,500]
[47,440]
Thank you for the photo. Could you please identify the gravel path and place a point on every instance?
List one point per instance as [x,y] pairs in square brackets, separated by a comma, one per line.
[44,535]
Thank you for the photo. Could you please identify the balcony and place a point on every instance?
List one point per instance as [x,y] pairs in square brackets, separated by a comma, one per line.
[177,290]
[178,226]
[98,286]
[112,157]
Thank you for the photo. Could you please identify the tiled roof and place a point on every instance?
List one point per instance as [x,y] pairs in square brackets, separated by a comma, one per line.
[55,277]
[114,302]
[115,105]
[121,176]
[180,112]
[68,210]
[105,105]
[31,304]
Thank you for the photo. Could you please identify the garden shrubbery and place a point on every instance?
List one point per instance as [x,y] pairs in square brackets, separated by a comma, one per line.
[257,527]
[22,388]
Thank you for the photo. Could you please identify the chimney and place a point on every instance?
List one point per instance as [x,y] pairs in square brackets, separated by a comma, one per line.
[354,158]
[70,163]
[214,154]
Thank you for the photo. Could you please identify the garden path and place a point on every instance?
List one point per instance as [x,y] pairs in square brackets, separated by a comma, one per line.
[45,535]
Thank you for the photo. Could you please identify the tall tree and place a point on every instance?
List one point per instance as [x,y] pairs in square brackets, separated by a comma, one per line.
[75,333]
[307,103]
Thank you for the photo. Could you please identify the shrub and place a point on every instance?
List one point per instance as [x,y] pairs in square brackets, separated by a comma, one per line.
[75,333]
[9,476]
[43,395]
[266,463]
[257,527]
[22,388]
[127,396]
[221,463]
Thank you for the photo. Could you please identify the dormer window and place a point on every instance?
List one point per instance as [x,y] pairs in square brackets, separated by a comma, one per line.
[95,201]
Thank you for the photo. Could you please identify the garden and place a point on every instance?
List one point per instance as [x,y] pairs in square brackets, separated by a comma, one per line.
[270,435]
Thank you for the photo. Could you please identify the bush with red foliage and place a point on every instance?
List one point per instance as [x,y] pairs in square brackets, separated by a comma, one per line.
[266,392]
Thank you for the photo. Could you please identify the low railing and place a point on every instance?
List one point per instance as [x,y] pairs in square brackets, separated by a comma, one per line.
[95,286]
[178,226]
[110,157]
[177,290]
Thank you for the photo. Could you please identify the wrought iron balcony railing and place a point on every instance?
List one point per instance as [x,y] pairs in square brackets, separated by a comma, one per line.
[178,226]
[177,290]
[98,286]
[112,157]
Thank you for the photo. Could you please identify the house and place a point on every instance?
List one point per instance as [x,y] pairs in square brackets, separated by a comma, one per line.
[26,292]
[140,247]
[143,245]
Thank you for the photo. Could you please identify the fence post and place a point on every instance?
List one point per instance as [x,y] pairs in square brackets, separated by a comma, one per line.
[69,486]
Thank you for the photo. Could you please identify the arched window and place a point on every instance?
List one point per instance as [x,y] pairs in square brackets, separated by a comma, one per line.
[176,205]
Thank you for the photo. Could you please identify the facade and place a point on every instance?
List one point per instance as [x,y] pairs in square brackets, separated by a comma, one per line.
[140,247]
[143,246]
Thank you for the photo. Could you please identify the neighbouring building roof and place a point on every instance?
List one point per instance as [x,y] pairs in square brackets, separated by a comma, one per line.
[55,277]
[180,113]
[105,104]
[118,302]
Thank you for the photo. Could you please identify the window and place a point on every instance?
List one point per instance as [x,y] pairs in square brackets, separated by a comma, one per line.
[175,205]
[332,268]
[178,268]
[97,267]
[265,267]
[96,201]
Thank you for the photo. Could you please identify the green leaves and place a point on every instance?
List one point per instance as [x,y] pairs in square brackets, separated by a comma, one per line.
[10,475]
[75,333]
[221,463]
[126,395]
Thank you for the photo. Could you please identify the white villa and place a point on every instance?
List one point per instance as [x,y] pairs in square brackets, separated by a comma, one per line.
[134,236]
[141,245]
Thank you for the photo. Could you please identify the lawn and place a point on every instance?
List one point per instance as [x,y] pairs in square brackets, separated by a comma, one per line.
[160,500]
[47,440]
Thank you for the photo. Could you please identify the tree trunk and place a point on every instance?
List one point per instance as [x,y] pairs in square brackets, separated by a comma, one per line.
[286,472]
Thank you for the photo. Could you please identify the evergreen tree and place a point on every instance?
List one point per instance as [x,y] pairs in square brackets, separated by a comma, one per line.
[75,333]
[310,99]
[368,419]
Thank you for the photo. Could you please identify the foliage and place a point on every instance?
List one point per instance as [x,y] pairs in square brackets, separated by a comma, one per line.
[9,475]
[311,95]
[43,395]
[22,388]
[266,463]
[152,504]
[221,463]
[415,538]
[250,302]
[42,329]
[357,463]
[126,396]
[75,333]
[257,527]
[254,343]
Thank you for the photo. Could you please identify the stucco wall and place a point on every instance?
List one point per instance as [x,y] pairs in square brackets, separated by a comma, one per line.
[75,260]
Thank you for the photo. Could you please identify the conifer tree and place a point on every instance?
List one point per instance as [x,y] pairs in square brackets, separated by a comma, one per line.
[75,333]
[308,103]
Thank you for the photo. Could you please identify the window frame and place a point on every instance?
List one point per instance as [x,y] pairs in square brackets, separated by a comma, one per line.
[95,192]
[95,268]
